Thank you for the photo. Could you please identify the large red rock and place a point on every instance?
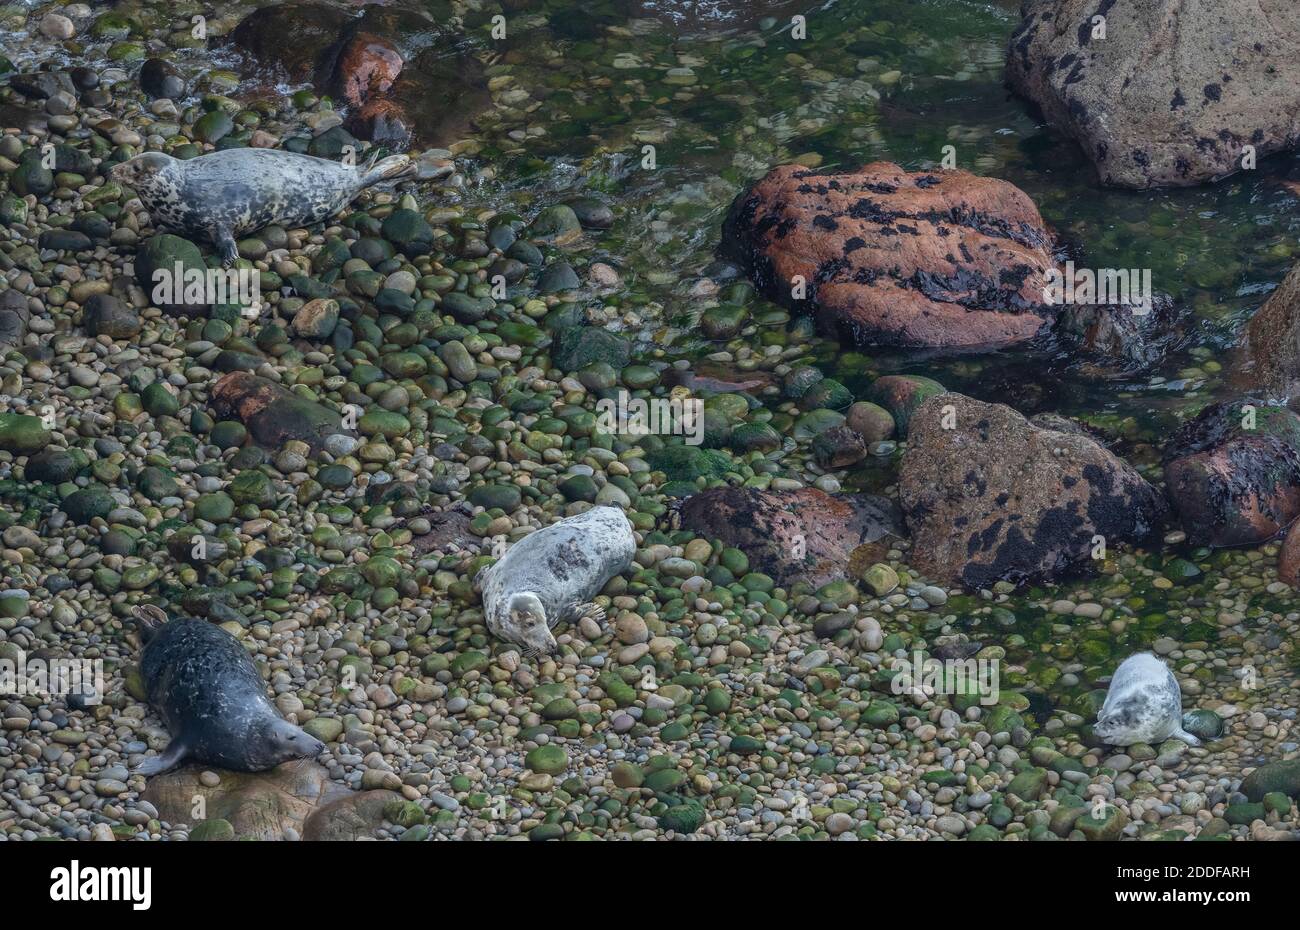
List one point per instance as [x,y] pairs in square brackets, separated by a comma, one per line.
[1173,92]
[433,101]
[1288,560]
[1234,485]
[938,259]
[989,496]
[800,535]
[367,66]
[406,75]
[1272,343]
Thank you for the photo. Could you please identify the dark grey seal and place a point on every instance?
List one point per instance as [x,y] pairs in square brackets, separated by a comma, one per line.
[208,691]
[234,192]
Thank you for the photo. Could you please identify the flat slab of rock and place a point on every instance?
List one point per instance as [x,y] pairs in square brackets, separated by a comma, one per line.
[1272,343]
[989,496]
[774,527]
[1173,92]
[941,259]
[272,413]
[262,805]
[1232,484]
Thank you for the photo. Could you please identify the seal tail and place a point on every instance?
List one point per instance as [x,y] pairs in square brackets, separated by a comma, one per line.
[149,619]
[392,168]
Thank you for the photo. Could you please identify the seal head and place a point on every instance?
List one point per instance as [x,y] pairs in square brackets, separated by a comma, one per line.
[1143,705]
[525,623]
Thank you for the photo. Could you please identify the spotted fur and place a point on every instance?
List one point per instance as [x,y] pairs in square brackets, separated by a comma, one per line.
[1143,704]
[224,195]
[552,573]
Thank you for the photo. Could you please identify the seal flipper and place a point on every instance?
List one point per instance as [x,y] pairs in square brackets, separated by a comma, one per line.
[1180,733]
[169,758]
[149,619]
[590,609]
[392,168]
[224,240]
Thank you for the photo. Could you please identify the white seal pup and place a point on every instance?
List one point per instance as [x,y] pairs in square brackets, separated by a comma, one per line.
[1143,705]
[553,573]
[234,192]
[206,688]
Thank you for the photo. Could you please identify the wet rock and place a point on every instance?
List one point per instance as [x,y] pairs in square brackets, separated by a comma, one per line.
[157,262]
[14,317]
[1232,473]
[367,66]
[990,497]
[272,414]
[315,28]
[316,319]
[886,257]
[1288,560]
[1272,343]
[719,378]
[1117,336]
[804,534]
[576,347]
[408,76]
[22,434]
[1282,777]
[159,78]
[52,466]
[870,421]
[839,447]
[106,315]
[902,395]
[1173,91]
[448,530]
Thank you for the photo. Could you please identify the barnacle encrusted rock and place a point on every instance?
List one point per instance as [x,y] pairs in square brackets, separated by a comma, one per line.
[1163,93]
[941,259]
[989,496]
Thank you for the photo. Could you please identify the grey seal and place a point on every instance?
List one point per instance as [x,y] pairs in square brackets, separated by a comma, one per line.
[234,192]
[1143,705]
[209,693]
[553,573]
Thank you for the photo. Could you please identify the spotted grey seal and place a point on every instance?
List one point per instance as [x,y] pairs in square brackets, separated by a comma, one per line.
[553,573]
[1143,705]
[231,193]
[208,691]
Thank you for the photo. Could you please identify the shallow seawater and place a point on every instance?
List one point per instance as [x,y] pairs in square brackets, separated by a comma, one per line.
[722,102]
[722,98]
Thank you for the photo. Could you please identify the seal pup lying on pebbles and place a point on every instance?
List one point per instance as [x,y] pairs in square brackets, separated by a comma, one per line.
[231,193]
[208,691]
[553,573]
[1143,705]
